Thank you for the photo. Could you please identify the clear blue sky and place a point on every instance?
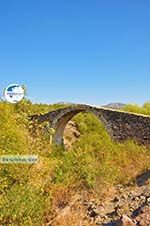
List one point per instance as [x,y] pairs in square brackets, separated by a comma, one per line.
[83,51]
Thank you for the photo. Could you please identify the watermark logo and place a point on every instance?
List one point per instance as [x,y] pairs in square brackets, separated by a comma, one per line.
[18,159]
[14,93]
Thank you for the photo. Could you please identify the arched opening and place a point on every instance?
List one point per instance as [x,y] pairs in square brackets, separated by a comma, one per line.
[61,124]
[64,119]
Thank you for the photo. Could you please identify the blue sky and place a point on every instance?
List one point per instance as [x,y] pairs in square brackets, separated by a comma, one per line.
[82,51]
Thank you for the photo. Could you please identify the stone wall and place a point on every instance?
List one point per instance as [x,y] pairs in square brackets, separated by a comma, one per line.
[120,125]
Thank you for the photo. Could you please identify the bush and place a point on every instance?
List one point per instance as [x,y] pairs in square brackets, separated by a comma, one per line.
[29,193]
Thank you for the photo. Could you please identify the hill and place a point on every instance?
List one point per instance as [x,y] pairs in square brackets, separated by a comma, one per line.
[115,105]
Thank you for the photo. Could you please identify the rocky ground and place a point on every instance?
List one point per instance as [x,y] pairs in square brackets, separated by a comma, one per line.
[128,205]
[122,206]
[71,134]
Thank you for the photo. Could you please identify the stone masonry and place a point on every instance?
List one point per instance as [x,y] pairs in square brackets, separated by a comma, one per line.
[120,125]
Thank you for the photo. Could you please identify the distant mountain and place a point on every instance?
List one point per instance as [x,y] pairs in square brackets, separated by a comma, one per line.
[115,105]
[111,105]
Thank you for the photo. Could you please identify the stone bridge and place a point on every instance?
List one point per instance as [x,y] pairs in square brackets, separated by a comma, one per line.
[120,125]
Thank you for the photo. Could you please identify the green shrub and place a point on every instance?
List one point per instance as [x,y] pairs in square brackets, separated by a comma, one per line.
[28,193]
[145,109]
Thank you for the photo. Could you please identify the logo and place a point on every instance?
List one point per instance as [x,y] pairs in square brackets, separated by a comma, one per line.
[14,93]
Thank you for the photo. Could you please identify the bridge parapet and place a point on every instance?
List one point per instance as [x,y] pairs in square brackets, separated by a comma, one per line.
[120,125]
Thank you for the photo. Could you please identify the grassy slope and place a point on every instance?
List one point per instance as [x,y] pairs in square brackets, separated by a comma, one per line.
[29,194]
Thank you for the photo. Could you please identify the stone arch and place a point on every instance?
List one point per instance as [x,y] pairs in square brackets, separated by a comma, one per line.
[120,125]
[67,114]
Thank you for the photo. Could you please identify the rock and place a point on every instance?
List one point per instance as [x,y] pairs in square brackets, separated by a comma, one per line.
[126,221]
[148,201]
[71,134]
[146,191]
[144,218]
[100,210]
[142,198]
[124,206]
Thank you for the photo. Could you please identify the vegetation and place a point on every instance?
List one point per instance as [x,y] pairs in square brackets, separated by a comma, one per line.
[145,109]
[30,194]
